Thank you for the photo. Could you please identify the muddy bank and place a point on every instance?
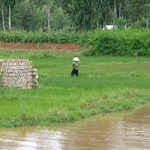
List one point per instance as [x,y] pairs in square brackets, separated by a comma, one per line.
[43,46]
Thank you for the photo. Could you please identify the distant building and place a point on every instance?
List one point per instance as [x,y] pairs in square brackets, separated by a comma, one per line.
[108,27]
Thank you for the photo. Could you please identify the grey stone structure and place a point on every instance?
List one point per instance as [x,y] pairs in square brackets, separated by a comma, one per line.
[18,73]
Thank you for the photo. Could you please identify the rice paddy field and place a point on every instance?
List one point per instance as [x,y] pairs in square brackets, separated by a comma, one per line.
[105,84]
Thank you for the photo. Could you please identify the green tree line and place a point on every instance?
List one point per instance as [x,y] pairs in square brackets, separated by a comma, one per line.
[81,15]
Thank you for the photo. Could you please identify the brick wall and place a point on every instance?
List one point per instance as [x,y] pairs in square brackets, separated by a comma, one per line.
[18,73]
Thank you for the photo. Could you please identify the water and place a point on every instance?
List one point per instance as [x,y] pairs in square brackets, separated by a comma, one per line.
[118,131]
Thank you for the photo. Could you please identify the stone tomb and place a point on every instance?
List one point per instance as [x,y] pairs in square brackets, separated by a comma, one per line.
[18,73]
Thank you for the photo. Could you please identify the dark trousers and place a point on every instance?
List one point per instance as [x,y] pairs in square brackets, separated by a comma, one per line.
[74,72]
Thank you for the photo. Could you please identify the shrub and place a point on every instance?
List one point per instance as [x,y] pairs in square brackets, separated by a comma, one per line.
[41,37]
[103,42]
[122,42]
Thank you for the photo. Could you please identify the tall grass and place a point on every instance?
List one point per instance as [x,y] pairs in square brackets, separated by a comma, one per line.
[104,84]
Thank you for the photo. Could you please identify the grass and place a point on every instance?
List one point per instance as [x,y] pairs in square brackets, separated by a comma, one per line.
[105,84]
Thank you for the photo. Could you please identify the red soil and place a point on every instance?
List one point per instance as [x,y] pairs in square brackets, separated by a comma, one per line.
[44,46]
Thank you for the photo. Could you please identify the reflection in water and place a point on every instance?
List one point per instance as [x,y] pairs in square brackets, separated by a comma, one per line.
[118,131]
[32,140]
[44,139]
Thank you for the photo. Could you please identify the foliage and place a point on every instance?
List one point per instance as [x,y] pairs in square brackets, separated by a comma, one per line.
[99,42]
[60,20]
[121,42]
[120,23]
[82,15]
[27,17]
[41,37]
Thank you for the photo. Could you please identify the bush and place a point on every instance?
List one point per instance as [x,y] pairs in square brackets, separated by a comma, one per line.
[122,42]
[103,42]
[41,37]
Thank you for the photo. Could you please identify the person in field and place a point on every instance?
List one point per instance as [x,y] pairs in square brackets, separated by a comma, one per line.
[75,65]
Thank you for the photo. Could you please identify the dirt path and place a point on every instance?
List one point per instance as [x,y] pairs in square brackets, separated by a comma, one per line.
[44,46]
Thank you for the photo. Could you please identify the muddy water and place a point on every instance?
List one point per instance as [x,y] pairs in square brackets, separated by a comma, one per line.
[118,131]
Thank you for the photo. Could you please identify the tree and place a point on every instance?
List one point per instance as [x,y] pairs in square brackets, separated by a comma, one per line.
[40,3]
[105,12]
[81,14]
[10,4]
[147,12]
[27,17]
[114,13]
[88,14]
[2,13]
[7,5]
[134,11]
[59,19]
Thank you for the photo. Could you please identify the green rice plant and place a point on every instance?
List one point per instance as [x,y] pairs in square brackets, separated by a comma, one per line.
[105,84]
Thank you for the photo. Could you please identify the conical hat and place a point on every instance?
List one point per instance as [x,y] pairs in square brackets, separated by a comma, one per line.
[75,59]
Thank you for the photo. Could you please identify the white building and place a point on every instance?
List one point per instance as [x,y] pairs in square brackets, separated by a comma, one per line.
[108,27]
